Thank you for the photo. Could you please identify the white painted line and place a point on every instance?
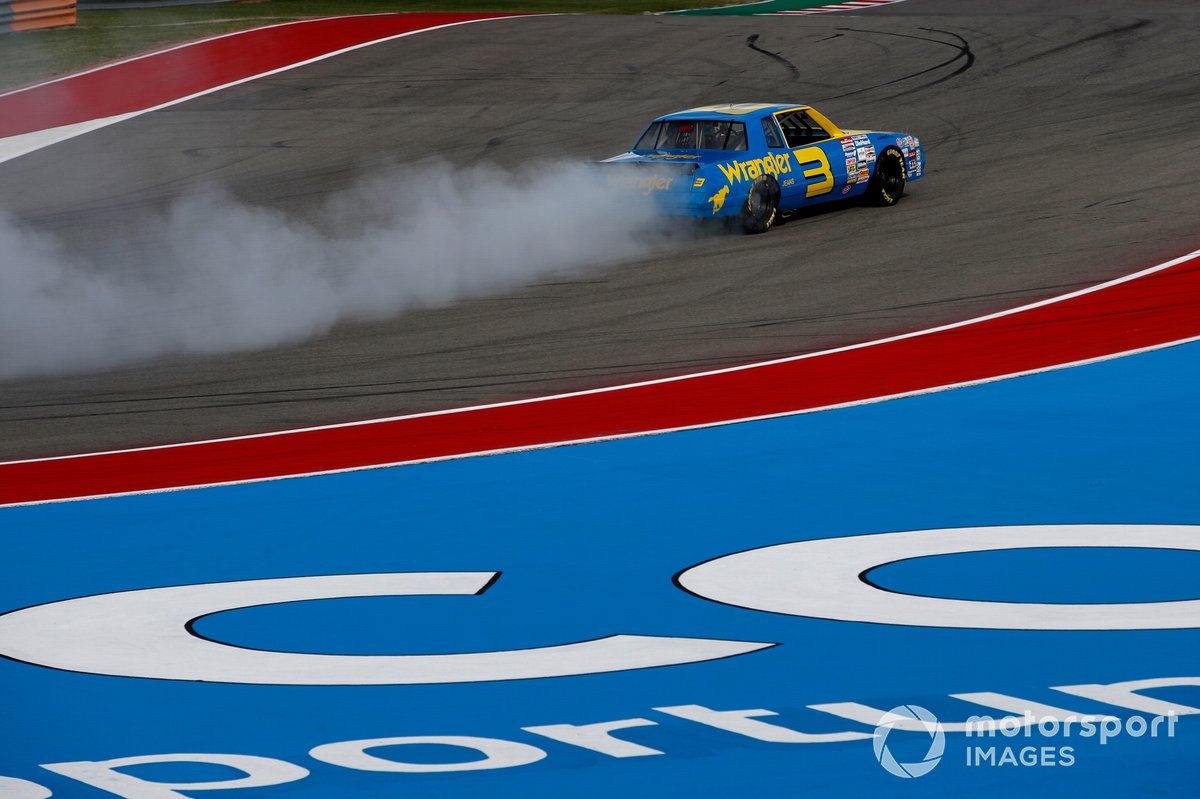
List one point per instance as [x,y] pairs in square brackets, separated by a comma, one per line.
[15,146]
[849,5]
[10,149]
[173,48]
[660,380]
[593,440]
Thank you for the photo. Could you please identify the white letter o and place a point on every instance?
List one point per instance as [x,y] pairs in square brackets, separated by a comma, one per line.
[822,578]
[497,754]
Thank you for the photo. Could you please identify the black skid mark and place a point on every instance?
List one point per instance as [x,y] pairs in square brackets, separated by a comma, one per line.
[751,42]
[962,52]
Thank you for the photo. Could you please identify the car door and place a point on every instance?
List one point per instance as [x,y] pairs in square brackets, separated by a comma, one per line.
[821,164]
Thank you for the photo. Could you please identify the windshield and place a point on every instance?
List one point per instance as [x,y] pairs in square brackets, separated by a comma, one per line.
[683,134]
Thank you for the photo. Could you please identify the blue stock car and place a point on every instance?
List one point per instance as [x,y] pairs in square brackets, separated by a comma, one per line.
[752,161]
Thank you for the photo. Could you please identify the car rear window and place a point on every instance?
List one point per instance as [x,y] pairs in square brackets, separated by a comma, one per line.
[703,134]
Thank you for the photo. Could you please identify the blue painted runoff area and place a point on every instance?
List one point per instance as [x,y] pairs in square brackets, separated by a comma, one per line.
[587,540]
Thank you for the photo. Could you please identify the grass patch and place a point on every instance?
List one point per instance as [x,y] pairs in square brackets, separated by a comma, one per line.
[105,35]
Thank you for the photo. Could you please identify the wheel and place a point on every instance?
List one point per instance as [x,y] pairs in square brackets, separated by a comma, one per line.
[887,184]
[762,205]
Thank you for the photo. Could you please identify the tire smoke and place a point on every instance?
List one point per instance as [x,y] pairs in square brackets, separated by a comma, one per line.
[222,276]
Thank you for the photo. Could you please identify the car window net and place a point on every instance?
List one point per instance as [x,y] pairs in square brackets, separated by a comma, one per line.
[800,129]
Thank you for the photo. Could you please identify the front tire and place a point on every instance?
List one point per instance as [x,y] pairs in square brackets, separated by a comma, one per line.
[887,184]
[762,205]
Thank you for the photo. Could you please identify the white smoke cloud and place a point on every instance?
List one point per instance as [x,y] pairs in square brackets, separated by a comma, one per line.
[224,276]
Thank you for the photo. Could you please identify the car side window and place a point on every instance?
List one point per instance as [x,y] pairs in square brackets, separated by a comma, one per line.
[737,137]
[800,129]
[771,131]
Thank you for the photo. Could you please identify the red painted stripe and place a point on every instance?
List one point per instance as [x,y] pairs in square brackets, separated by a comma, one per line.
[1156,308]
[142,83]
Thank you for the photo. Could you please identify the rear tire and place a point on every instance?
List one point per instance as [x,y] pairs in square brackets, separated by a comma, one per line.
[887,183]
[762,205]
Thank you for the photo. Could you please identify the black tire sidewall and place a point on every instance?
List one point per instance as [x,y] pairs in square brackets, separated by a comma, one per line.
[877,194]
[761,222]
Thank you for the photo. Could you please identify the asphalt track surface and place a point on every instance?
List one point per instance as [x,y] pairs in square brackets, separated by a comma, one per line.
[1062,152]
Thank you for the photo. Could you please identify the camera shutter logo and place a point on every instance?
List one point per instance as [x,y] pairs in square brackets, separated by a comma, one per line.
[903,716]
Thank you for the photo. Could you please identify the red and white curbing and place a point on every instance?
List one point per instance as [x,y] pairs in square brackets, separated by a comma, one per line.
[1154,308]
[56,110]
[849,5]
